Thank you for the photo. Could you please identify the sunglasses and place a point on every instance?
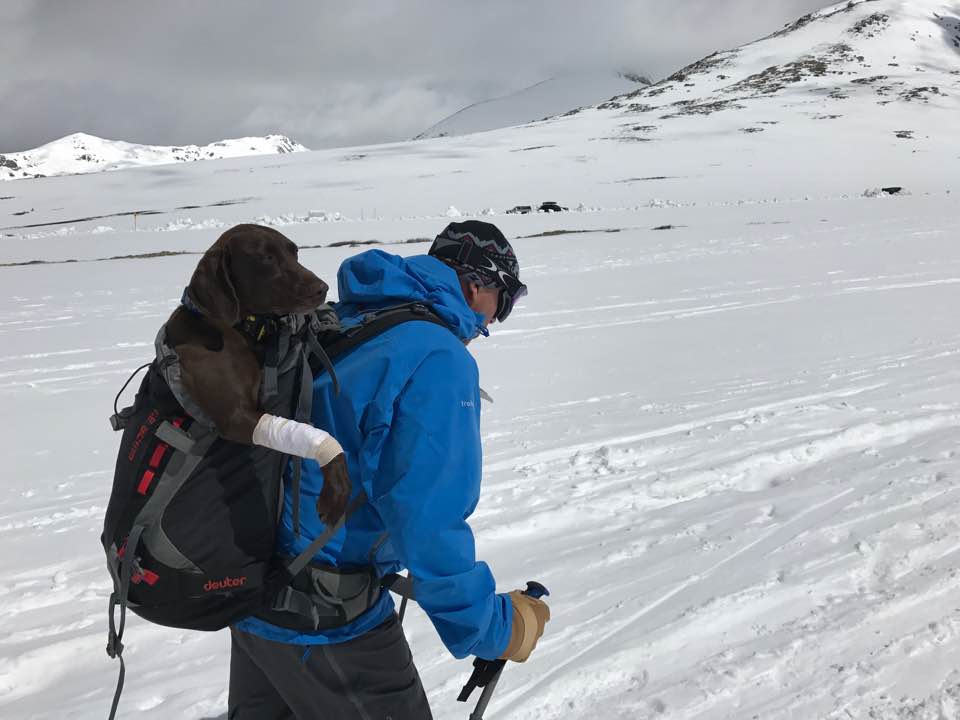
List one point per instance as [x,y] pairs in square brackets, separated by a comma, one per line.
[511,289]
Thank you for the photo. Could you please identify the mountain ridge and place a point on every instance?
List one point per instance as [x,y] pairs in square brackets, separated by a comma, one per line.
[542,100]
[825,45]
[80,153]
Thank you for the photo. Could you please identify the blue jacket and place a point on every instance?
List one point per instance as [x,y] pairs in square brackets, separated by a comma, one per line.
[408,418]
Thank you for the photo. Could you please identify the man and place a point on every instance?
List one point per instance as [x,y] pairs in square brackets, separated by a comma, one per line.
[408,418]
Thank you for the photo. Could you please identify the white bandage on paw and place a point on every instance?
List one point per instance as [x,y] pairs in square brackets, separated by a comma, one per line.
[327,449]
[296,438]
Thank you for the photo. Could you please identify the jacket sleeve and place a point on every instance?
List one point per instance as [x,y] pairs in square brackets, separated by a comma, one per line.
[426,486]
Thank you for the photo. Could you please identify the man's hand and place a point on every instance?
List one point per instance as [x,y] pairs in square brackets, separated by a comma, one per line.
[529,617]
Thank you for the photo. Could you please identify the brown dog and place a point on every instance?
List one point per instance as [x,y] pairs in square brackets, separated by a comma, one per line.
[249,270]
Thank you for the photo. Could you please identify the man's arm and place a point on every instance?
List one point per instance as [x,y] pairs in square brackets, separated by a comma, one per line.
[426,485]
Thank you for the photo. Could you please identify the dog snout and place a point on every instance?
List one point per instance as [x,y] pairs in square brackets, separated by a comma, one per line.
[311,292]
[317,289]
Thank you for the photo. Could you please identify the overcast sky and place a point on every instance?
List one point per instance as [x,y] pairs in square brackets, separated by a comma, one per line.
[171,72]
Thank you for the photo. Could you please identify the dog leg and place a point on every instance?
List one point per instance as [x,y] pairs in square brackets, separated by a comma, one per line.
[295,438]
[302,440]
[226,384]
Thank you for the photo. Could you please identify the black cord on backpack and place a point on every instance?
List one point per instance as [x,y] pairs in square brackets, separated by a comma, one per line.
[118,420]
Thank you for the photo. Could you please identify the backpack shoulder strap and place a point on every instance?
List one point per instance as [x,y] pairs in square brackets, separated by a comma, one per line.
[338,342]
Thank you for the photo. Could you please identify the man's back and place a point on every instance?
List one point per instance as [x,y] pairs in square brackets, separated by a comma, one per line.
[408,419]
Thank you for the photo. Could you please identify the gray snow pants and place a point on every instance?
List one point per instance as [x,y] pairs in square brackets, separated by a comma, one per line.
[369,678]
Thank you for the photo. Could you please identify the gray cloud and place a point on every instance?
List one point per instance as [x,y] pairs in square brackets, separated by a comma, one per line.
[326,73]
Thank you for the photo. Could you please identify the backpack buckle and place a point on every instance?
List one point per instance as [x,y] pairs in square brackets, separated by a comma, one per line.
[118,421]
[114,647]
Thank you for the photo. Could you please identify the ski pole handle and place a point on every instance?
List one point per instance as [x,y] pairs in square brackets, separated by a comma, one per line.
[535,590]
[486,673]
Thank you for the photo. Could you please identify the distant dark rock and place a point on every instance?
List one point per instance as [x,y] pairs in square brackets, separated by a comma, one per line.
[809,18]
[796,25]
[6,162]
[702,108]
[711,62]
[869,80]
[637,78]
[920,93]
[870,26]
[648,179]
[352,243]
[777,77]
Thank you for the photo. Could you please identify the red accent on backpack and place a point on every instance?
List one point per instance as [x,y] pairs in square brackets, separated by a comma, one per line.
[145,482]
[147,576]
[158,455]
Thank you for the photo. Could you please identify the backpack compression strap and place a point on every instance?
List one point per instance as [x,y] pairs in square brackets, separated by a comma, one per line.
[114,641]
[304,558]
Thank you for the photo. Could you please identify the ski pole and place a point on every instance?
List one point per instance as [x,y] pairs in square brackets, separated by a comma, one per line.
[486,673]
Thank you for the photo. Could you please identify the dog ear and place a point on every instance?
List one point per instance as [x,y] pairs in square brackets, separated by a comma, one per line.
[211,287]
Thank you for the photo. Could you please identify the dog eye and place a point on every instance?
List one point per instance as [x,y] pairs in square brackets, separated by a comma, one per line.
[267,257]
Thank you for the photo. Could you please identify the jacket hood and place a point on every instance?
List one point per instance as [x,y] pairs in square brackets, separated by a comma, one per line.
[376,279]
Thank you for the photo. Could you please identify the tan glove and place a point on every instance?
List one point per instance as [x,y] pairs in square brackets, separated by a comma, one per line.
[529,617]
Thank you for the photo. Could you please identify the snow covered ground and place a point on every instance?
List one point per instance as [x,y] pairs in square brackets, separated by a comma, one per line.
[729,446]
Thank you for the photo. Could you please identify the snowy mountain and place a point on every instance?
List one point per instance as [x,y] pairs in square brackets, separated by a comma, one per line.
[545,99]
[727,414]
[872,62]
[81,153]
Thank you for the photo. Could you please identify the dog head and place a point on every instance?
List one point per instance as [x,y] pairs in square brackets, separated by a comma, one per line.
[253,270]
